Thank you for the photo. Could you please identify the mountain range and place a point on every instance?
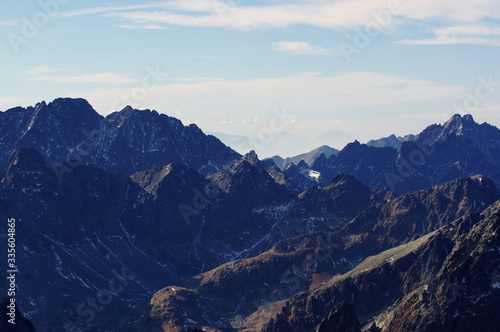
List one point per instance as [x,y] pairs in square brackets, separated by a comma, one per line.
[135,222]
[69,132]
[440,153]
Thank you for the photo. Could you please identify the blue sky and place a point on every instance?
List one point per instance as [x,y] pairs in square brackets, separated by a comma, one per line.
[368,68]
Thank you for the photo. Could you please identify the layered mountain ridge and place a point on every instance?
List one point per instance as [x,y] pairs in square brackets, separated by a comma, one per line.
[136,215]
[259,285]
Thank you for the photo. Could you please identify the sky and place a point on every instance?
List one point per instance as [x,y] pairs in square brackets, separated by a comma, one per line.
[288,74]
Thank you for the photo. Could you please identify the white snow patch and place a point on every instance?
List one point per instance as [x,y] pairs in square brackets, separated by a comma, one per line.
[314,175]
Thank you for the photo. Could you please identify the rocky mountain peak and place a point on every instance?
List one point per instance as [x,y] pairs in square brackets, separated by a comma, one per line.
[251,157]
[77,109]
[321,160]
[127,109]
[40,105]
[302,165]
[468,118]
[195,128]
[354,148]
[458,124]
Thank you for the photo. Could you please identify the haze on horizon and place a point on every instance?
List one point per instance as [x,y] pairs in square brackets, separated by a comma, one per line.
[365,68]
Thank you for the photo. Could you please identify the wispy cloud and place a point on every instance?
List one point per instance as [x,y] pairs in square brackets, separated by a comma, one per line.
[343,14]
[140,27]
[40,70]
[478,35]
[301,48]
[99,10]
[219,14]
[326,14]
[104,78]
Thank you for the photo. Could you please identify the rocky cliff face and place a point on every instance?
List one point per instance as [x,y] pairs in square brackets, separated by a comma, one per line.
[463,295]
[420,286]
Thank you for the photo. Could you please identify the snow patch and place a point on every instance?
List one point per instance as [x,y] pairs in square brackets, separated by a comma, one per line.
[314,175]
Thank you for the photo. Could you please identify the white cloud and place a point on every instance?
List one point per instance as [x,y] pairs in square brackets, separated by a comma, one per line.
[465,11]
[226,122]
[140,27]
[40,70]
[466,34]
[220,14]
[471,30]
[97,10]
[449,40]
[326,14]
[104,78]
[342,14]
[301,48]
